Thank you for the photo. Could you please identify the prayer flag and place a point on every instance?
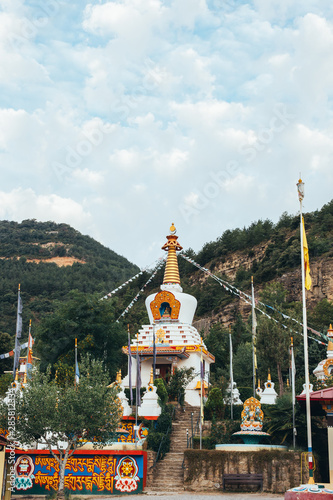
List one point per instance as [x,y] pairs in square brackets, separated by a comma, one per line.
[306,263]
[18,333]
[138,380]
[77,373]
[130,368]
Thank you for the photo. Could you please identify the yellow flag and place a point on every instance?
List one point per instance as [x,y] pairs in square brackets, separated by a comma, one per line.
[308,280]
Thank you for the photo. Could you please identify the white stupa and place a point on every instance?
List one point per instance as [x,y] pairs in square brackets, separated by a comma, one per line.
[268,395]
[325,367]
[178,343]
[235,395]
[149,405]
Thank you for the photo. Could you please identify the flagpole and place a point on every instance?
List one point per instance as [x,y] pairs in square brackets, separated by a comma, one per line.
[254,353]
[129,366]
[136,392]
[201,409]
[75,362]
[300,187]
[18,332]
[154,352]
[231,378]
[293,389]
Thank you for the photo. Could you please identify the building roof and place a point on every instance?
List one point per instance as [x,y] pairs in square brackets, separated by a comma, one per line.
[317,398]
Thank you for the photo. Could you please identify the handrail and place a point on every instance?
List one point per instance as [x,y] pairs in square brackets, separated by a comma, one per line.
[189,440]
[157,458]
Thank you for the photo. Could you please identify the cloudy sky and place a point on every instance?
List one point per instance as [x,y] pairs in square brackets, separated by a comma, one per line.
[121,117]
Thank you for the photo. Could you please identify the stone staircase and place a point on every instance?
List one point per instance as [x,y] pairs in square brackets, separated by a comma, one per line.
[168,474]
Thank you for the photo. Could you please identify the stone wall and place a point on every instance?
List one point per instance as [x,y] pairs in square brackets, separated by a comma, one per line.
[151,455]
[281,469]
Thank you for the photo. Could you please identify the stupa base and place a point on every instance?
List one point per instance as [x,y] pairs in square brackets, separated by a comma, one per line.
[309,492]
[249,447]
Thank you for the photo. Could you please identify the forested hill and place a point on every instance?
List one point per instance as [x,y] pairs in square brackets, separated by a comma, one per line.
[49,260]
[268,252]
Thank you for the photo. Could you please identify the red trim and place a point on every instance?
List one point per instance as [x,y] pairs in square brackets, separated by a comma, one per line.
[145,470]
[82,452]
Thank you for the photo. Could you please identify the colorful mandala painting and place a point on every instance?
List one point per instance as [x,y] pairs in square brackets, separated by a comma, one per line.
[127,475]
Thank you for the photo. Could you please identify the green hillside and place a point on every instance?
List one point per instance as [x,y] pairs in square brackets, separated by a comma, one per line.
[34,254]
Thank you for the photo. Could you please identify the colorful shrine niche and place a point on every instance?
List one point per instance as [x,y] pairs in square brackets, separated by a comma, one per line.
[128,425]
[165,306]
[97,474]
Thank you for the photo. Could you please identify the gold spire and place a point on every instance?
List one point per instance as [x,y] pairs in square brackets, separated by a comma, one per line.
[118,379]
[269,375]
[259,383]
[151,381]
[171,273]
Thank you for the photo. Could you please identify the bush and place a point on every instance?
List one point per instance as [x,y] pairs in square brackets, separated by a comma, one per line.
[214,407]
[206,443]
[159,432]
[161,391]
[178,382]
[221,432]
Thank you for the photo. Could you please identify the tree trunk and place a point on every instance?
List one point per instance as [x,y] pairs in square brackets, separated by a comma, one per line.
[280,379]
[61,488]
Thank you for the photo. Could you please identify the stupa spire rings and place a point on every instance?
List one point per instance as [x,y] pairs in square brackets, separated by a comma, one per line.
[171,273]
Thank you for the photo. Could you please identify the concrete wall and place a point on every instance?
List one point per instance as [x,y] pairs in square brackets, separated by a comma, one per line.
[281,469]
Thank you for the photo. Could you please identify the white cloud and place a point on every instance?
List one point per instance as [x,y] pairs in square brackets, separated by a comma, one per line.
[20,204]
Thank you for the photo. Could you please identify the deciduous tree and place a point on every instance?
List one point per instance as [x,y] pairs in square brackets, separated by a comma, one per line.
[51,414]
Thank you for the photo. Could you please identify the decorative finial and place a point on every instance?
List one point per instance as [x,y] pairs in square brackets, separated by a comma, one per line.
[151,381]
[173,229]
[118,379]
[259,383]
[269,375]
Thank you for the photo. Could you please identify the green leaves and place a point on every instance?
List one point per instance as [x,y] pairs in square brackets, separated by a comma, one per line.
[88,412]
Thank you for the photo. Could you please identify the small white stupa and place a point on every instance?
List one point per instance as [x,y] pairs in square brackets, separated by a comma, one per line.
[235,395]
[126,409]
[310,389]
[325,367]
[268,395]
[149,406]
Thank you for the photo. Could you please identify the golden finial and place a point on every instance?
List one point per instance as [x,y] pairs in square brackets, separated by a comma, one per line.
[17,375]
[288,382]
[269,375]
[25,378]
[259,383]
[171,273]
[151,381]
[118,379]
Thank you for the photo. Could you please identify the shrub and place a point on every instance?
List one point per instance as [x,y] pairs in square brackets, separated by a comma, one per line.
[161,391]
[214,406]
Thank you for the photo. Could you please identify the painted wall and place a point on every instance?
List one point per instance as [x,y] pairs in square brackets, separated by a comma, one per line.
[97,472]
